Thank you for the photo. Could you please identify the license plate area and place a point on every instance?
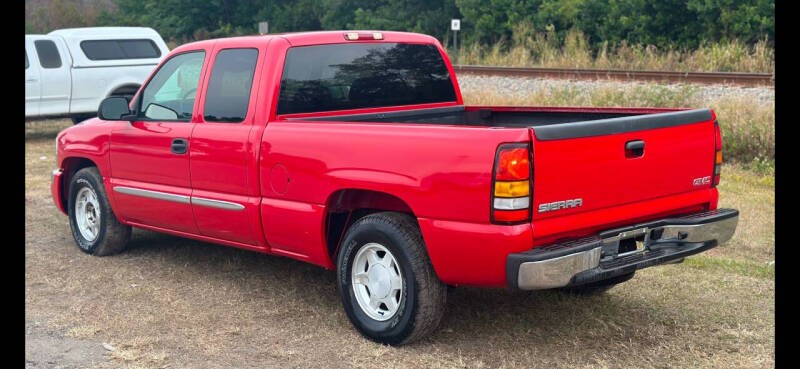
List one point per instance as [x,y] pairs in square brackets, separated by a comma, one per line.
[626,243]
[631,245]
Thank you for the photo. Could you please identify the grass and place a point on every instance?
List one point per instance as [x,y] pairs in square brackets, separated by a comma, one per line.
[747,125]
[173,302]
[530,49]
[745,268]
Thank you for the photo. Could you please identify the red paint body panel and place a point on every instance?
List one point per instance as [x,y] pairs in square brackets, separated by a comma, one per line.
[295,229]
[596,169]
[141,159]
[474,254]
[285,173]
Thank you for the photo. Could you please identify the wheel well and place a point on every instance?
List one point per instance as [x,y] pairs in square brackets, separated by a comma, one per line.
[71,166]
[345,207]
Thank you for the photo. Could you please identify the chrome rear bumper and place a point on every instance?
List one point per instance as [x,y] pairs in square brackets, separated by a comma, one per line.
[620,250]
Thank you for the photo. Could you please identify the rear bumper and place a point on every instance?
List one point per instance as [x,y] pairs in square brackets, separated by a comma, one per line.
[619,251]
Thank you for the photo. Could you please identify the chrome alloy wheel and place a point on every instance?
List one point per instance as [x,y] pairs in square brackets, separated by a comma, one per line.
[87,213]
[377,281]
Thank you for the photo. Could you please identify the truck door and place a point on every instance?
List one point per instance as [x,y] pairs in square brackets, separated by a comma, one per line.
[54,78]
[223,157]
[150,156]
[33,88]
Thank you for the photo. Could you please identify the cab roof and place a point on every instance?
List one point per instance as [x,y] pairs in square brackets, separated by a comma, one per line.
[320,38]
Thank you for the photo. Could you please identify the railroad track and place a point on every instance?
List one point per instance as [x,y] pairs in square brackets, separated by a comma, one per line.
[729,78]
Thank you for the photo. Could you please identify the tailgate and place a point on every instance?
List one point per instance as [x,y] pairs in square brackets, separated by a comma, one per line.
[609,163]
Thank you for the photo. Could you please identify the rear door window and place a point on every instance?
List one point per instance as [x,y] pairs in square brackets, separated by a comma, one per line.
[120,49]
[48,54]
[362,75]
[229,86]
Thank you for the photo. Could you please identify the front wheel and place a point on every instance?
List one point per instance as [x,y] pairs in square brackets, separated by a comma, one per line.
[388,287]
[95,228]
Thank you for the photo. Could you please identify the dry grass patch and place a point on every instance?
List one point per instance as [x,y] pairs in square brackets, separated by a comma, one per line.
[530,49]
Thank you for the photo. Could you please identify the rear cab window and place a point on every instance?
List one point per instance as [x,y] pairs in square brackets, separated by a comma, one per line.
[120,49]
[362,75]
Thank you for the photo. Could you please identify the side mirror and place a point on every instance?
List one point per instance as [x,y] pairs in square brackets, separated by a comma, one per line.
[114,108]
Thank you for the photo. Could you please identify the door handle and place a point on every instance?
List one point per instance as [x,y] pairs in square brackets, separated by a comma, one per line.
[179,145]
[634,149]
[31,80]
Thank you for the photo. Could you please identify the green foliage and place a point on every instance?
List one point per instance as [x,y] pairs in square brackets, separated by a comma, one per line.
[663,23]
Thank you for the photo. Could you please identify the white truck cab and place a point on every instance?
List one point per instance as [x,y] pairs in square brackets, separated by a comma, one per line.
[68,72]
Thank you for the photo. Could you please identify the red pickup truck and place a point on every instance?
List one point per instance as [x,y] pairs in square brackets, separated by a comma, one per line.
[354,151]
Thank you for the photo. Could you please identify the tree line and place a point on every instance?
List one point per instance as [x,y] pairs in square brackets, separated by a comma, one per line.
[663,23]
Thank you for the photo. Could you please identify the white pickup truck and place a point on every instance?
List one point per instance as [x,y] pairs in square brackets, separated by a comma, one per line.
[69,71]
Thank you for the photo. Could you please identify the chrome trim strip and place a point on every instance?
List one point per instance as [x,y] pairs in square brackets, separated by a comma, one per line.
[152,194]
[721,231]
[557,272]
[219,204]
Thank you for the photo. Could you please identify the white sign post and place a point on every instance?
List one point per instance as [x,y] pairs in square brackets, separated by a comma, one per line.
[263,28]
[455,26]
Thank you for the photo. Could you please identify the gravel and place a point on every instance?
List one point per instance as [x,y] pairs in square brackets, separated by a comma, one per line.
[521,86]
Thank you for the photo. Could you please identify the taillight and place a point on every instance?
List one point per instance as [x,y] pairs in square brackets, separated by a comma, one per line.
[511,192]
[717,155]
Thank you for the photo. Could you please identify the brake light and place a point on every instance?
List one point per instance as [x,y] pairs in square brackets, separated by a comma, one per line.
[354,36]
[717,155]
[512,164]
[511,193]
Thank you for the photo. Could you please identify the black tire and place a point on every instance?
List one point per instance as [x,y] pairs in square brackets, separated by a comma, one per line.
[599,287]
[112,236]
[423,295]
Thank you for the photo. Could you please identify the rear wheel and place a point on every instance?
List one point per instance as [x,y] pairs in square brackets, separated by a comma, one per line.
[388,287]
[599,287]
[95,228]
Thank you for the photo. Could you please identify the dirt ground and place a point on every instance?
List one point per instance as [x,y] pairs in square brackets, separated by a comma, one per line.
[170,302]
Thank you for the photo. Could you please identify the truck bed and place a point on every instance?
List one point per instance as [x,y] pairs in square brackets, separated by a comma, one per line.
[615,120]
[580,153]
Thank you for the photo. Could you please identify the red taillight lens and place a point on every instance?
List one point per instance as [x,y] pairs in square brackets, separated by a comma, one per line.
[511,192]
[717,155]
[512,164]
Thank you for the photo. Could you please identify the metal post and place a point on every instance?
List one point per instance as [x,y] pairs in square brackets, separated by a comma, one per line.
[455,26]
[455,45]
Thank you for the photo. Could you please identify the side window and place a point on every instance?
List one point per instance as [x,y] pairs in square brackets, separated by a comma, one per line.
[120,49]
[170,93]
[48,54]
[26,60]
[229,86]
